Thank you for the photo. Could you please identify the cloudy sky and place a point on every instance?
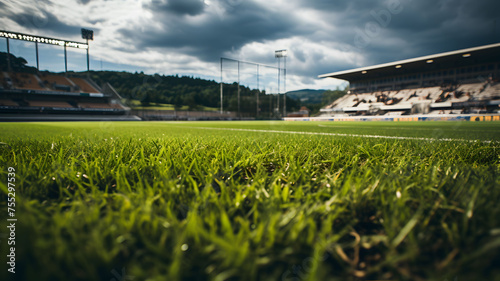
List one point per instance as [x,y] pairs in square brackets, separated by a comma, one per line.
[188,37]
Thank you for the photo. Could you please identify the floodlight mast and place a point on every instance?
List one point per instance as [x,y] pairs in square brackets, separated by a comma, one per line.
[284,89]
[65,60]
[221,95]
[257,94]
[8,55]
[88,34]
[279,75]
[282,54]
[37,61]
[239,112]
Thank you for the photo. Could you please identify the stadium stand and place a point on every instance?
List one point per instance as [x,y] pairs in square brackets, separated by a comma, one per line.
[29,95]
[83,85]
[58,83]
[41,103]
[459,82]
[24,81]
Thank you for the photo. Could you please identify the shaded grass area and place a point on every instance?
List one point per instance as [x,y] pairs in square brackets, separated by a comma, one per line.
[163,201]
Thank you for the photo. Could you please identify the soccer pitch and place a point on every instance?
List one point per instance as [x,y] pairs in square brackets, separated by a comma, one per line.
[262,200]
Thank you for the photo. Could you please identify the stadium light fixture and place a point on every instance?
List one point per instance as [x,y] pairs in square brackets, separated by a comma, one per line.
[429,61]
[398,66]
[466,55]
[280,53]
[363,72]
[40,39]
[46,40]
[88,34]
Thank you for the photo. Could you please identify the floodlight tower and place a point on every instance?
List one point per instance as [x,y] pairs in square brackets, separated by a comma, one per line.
[281,54]
[88,35]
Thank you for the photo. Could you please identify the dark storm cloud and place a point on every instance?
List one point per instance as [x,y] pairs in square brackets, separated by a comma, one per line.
[209,38]
[385,31]
[321,35]
[380,31]
[48,23]
[346,7]
[180,7]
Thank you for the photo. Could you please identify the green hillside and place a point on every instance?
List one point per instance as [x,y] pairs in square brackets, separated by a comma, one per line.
[307,96]
[316,99]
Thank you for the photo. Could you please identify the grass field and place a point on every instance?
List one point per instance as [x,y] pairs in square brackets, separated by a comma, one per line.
[253,200]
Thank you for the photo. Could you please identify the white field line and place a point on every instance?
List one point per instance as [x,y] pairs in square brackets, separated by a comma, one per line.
[341,135]
[385,128]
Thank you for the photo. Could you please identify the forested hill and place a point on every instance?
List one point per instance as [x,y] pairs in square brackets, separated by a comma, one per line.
[149,89]
[187,91]
[307,96]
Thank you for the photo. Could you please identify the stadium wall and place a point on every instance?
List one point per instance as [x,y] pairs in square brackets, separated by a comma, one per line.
[441,117]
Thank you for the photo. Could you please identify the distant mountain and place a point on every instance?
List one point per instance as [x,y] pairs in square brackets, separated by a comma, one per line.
[307,96]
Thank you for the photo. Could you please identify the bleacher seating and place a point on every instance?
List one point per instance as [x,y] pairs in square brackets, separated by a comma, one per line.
[25,81]
[439,99]
[473,88]
[59,104]
[57,82]
[494,90]
[491,91]
[83,85]
[47,93]
[31,95]
[45,82]
[61,80]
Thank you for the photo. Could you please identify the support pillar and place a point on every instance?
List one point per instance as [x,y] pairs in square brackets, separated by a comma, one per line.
[8,56]
[37,61]
[65,60]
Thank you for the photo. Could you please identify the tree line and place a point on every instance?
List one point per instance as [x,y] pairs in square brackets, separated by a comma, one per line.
[195,93]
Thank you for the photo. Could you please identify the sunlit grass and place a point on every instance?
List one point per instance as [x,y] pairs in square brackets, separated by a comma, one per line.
[172,201]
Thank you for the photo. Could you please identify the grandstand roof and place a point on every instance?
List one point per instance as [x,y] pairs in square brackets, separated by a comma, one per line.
[481,54]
